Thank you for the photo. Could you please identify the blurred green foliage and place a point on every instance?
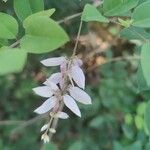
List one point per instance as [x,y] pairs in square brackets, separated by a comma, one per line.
[114,121]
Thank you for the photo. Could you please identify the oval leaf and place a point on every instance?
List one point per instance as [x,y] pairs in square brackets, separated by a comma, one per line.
[141,15]
[118,7]
[43,35]
[11,60]
[90,13]
[145,58]
[24,8]
[8,26]
[147,118]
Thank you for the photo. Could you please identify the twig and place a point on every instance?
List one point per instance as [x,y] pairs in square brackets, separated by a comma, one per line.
[11,122]
[27,123]
[15,44]
[69,18]
[77,39]
[114,60]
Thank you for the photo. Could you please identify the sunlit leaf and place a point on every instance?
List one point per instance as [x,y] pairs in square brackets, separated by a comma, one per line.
[141,15]
[145,58]
[90,13]
[12,60]
[117,7]
[43,35]
[8,26]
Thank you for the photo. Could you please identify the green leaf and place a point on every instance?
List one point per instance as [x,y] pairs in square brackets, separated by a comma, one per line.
[24,8]
[135,146]
[117,146]
[145,58]
[45,13]
[135,33]
[139,122]
[97,122]
[147,117]
[3,42]
[117,7]
[11,60]
[8,26]
[76,146]
[49,147]
[126,23]
[128,131]
[141,15]
[43,35]
[90,13]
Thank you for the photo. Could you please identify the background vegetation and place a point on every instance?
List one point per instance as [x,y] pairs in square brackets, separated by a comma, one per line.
[115,120]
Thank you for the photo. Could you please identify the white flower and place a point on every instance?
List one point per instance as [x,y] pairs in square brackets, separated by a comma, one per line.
[47,91]
[46,106]
[55,78]
[77,75]
[80,95]
[45,138]
[62,115]
[53,87]
[55,61]
[44,127]
[74,71]
[71,104]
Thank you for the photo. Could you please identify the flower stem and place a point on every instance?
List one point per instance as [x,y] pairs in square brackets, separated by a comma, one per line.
[77,39]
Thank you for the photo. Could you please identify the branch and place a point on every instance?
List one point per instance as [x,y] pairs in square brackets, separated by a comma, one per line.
[116,59]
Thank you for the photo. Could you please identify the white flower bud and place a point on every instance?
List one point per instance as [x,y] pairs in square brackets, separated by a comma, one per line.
[44,127]
[45,138]
[52,130]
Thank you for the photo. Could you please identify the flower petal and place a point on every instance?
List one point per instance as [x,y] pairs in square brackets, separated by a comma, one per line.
[55,78]
[51,85]
[46,106]
[77,61]
[55,61]
[62,115]
[71,104]
[43,91]
[78,76]
[80,95]
[44,127]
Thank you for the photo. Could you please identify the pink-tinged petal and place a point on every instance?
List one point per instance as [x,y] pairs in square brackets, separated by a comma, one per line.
[78,62]
[62,115]
[77,75]
[55,61]
[63,67]
[43,91]
[46,106]
[71,104]
[55,78]
[51,85]
[80,95]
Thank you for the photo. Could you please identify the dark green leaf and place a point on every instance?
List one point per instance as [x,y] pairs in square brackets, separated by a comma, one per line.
[76,146]
[24,8]
[49,147]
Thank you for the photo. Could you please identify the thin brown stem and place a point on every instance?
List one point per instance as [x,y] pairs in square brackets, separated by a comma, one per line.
[77,39]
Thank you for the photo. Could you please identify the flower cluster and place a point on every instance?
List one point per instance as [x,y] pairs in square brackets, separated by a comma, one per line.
[62,88]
